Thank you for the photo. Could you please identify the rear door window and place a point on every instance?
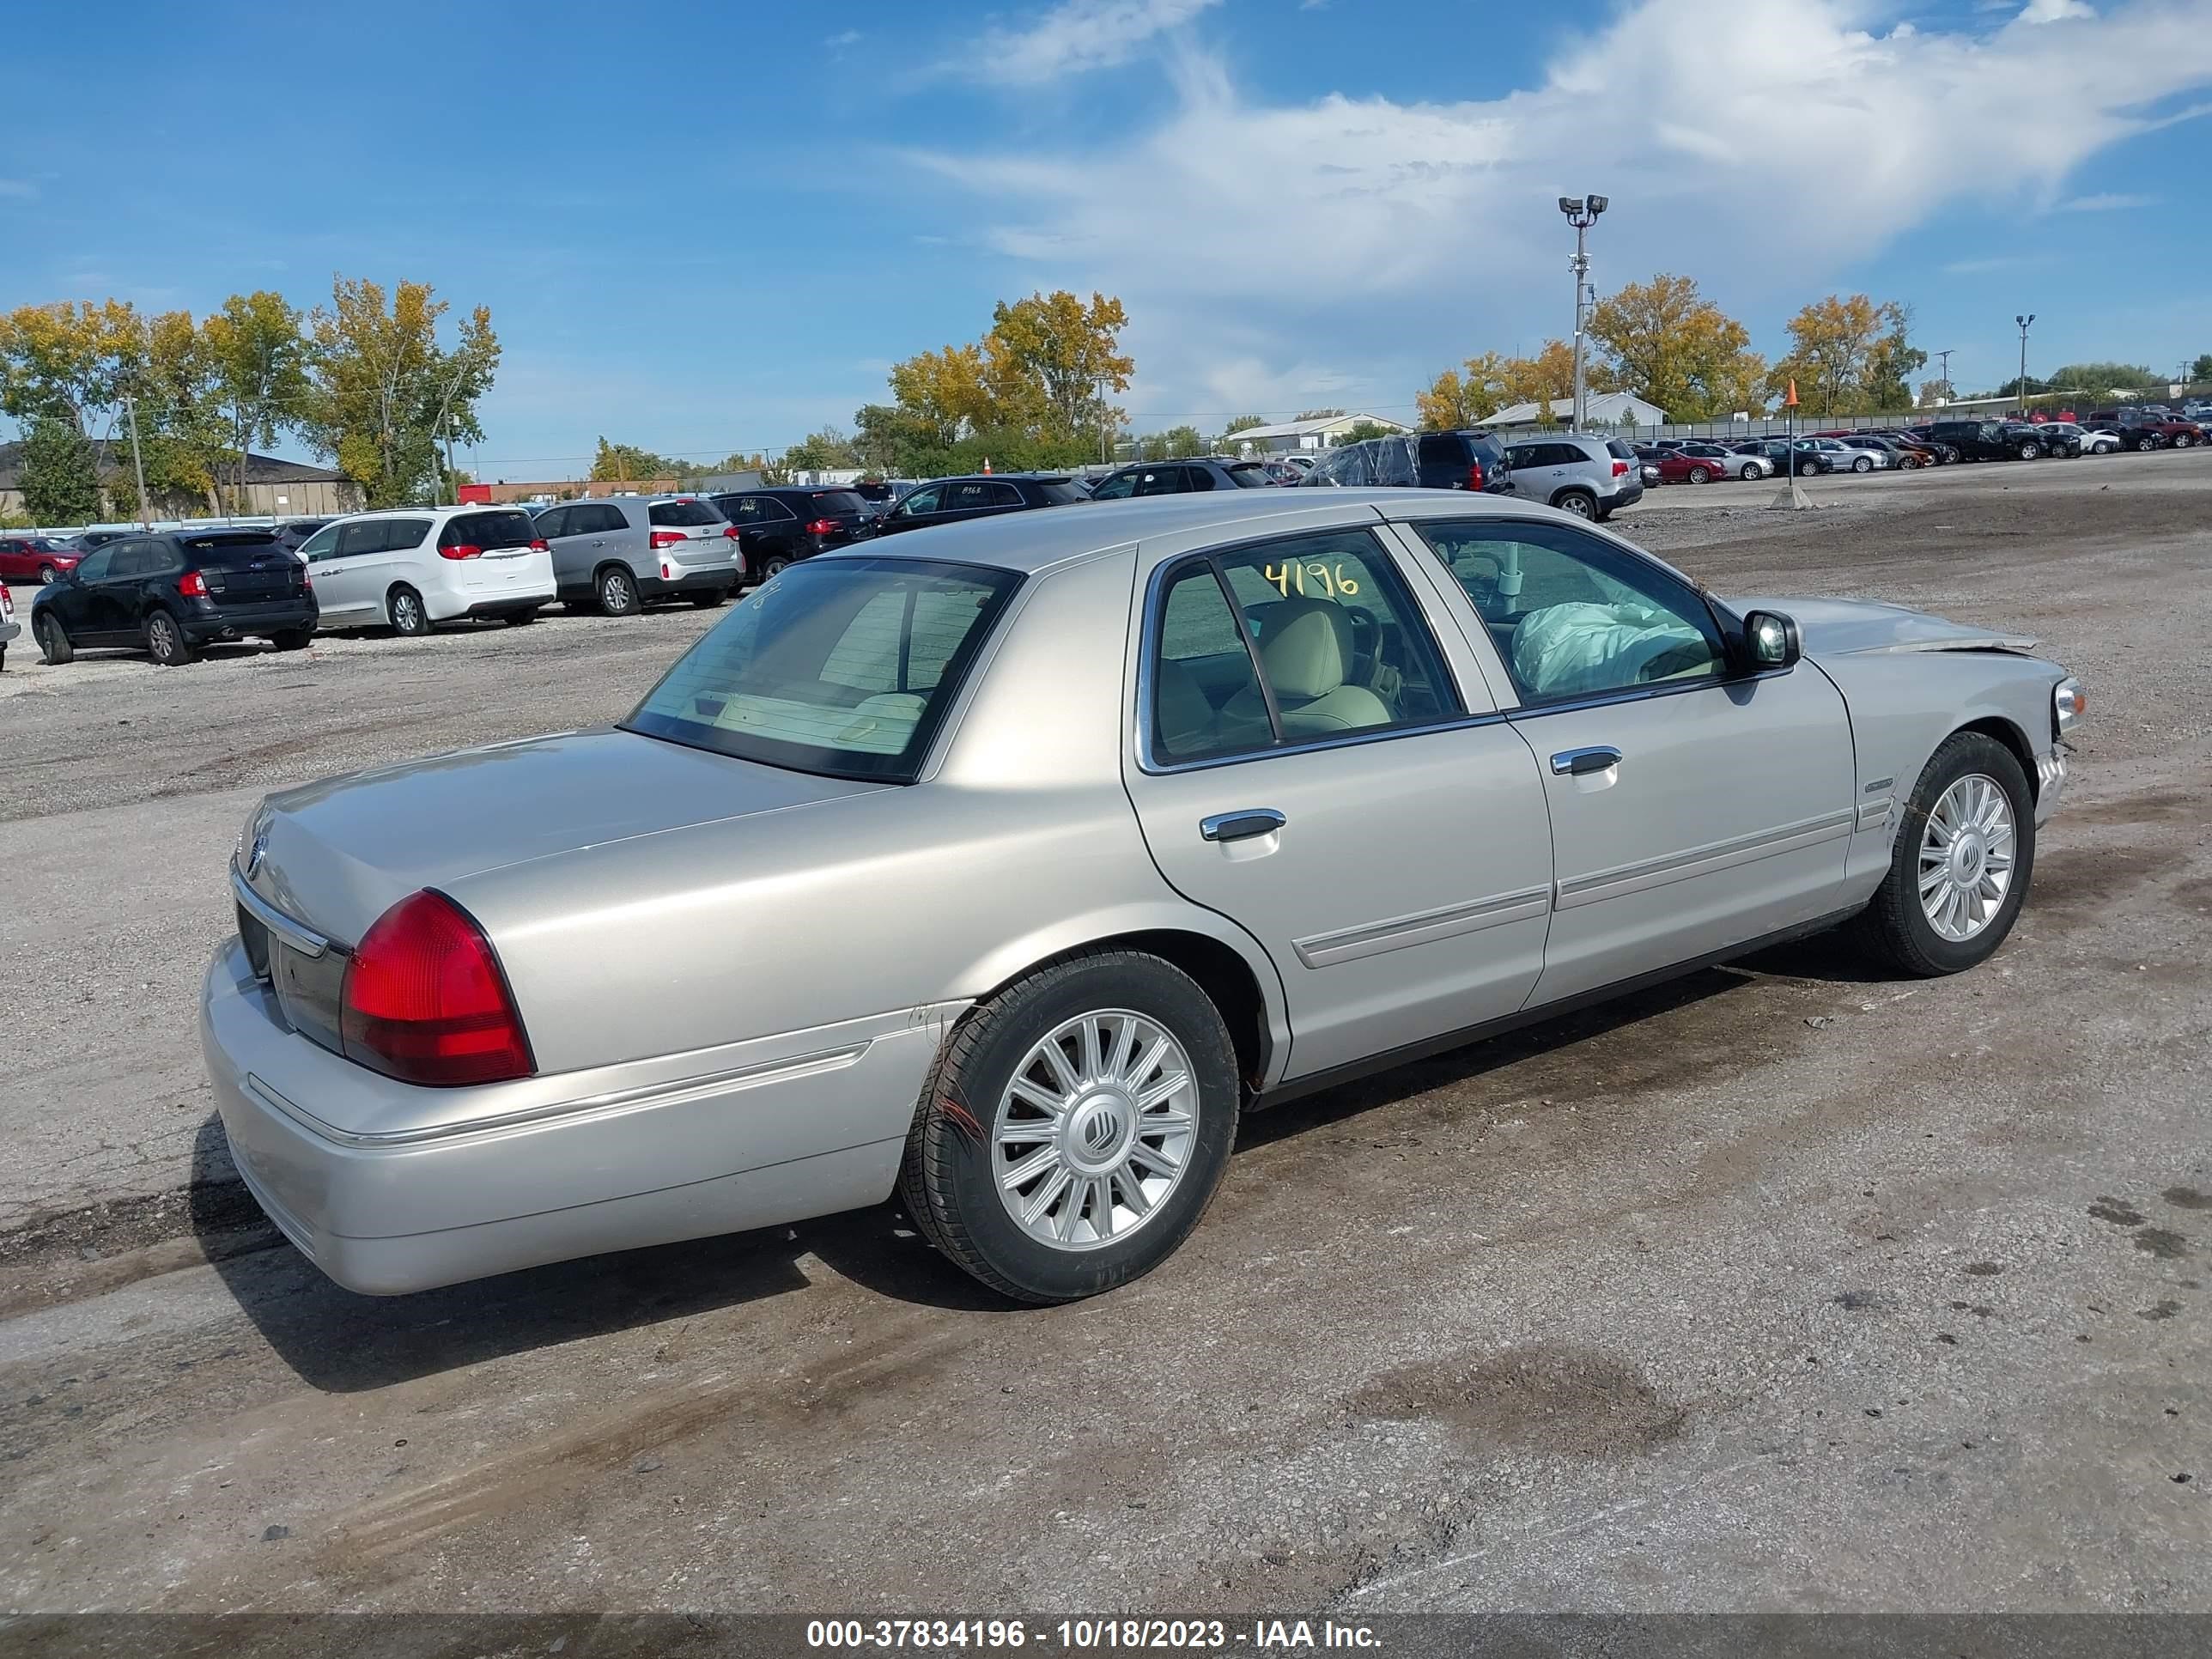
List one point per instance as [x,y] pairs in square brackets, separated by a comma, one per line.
[967,495]
[366,536]
[1057,492]
[553,523]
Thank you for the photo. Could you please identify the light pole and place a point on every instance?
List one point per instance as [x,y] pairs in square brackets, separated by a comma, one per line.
[1581,213]
[2023,322]
[1944,358]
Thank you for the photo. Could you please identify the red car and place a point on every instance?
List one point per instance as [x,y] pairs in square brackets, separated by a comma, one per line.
[36,559]
[1676,467]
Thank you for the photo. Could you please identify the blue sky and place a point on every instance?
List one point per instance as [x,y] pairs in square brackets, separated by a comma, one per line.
[706,227]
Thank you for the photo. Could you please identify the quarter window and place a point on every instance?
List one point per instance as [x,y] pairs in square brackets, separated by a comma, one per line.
[1574,617]
[1290,642]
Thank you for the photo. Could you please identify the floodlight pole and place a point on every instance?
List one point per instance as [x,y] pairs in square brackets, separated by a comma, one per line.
[2023,322]
[1581,213]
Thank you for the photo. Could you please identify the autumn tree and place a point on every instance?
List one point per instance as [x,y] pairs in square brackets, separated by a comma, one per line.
[942,395]
[256,354]
[68,361]
[1849,353]
[1046,358]
[384,388]
[1672,347]
[60,471]
[1461,396]
[1541,379]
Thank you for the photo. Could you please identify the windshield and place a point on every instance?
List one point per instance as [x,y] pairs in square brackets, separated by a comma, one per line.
[843,666]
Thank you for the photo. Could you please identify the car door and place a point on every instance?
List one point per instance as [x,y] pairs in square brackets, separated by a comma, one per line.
[914,509]
[108,601]
[1538,470]
[315,553]
[1313,761]
[345,577]
[70,597]
[1693,807]
[966,498]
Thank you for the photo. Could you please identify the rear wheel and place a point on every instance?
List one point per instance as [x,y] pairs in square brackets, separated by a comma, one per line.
[1580,502]
[165,640]
[292,639]
[618,591]
[517,618]
[53,639]
[410,620]
[775,567]
[710,598]
[1075,1127]
[1959,866]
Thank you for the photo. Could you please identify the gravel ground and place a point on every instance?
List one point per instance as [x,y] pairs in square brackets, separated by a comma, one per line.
[1781,1287]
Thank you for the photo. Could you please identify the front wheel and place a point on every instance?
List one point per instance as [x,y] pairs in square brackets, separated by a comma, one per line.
[165,642]
[2144,446]
[1960,863]
[53,640]
[2182,440]
[1862,465]
[46,576]
[1752,472]
[1698,475]
[1075,1127]
[773,568]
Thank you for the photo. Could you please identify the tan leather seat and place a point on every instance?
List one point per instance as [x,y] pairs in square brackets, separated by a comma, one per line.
[1305,646]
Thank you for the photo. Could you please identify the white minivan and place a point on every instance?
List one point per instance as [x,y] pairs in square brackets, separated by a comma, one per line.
[415,567]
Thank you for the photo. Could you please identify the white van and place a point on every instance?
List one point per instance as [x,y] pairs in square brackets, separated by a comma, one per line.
[415,567]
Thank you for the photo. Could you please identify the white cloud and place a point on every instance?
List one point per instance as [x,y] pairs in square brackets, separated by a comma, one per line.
[2108,203]
[842,39]
[2055,11]
[1365,223]
[1074,36]
[18,189]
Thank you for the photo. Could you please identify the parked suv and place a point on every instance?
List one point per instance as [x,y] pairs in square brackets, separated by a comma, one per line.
[950,500]
[415,567]
[1183,477]
[619,554]
[2050,437]
[782,525]
[1419,460]
[36,558]
[172,592]
[1591,477]
[1983,441]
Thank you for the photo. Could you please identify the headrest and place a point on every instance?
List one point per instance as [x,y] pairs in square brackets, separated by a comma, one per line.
[1306,645]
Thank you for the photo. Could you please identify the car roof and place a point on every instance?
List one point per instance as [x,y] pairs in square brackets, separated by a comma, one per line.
[1040,539]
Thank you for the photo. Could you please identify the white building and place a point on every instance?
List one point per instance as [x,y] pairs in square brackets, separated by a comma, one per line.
[1317,434]
[1606,408]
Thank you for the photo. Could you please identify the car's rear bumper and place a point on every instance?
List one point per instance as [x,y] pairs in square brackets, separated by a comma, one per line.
[241,621]
[713,579]
[557,1167]
[9,630]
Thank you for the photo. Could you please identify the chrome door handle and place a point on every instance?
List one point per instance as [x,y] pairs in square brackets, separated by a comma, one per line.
[1242,825]
[1578,762]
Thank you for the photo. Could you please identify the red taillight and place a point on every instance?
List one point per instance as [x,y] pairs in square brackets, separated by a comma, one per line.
[461,550]
[731,532]
[538,546]
[661,539]
[192,585]
[1621,469]
[425,1001]
[1474,474]
[822,527]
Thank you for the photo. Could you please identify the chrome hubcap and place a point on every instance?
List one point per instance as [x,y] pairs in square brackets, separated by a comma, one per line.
[1966,858]
[403,614]
[1093,1136]
[616,593]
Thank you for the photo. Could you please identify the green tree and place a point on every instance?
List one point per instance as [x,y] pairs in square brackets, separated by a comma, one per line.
[60,472]
[69,361]
[828,450]
[628,464]
[1670,346]
[2102,379]
[256,354]
[1319,414]
[1240,424]
[384,388]
[1359,430]
[1046,359]
[2202,368]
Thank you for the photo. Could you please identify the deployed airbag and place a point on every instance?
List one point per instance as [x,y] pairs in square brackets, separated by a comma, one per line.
[1565,649]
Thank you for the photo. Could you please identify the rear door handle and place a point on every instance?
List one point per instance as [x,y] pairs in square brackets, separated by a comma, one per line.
[1579,763]
[1242,825]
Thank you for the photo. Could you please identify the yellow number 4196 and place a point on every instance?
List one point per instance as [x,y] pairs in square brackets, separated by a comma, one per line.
[1330,580]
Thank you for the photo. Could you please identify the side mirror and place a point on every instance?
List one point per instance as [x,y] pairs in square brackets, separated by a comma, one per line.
[1771,641]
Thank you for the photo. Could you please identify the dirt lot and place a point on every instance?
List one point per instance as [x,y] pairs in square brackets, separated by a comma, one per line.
[1781,1287]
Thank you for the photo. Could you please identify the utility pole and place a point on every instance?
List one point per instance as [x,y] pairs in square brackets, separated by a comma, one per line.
[1582,213]
[450,476]
[137,465]
[1944,358]
[2023,322]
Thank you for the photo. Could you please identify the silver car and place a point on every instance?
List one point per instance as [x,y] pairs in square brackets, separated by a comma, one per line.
[1590,477]
[619,554]
[1006,871]
[1843,455]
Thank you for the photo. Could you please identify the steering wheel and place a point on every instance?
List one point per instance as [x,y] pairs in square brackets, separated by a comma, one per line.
[1366,644]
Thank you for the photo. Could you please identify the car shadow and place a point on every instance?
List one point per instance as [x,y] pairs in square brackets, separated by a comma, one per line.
[341,1342]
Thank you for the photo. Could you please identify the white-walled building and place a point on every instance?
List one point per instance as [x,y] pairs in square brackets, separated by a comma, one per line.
[1317,434]
[1606,408]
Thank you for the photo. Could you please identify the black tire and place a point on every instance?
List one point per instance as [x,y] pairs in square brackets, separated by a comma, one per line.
[292,639]
[1894,928]
[615,591]
[1863,464]
[411,618]
[774,566]
[710,598]
[1751,473]
[164,640]
[517,618]
[946,1181]
[2029,452]
[53,639]
[1580,502]
[2144,446]
[47,576]
[2182,440]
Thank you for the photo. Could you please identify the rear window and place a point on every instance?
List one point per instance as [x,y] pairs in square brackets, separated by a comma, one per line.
[1621,449]
[508,528]
[231,550]
[840,667]
[837,504]
[1058,492]
[684,515]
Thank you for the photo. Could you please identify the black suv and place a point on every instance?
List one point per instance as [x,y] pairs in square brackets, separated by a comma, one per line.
[1419,460]
[1183,477]
[1983,441]
[175,590]
[784,524]
[951,501]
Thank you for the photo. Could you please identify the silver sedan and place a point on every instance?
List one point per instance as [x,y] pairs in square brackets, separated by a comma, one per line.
[1006,872]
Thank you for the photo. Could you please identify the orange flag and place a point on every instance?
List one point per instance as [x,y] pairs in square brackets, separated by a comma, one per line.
[1791,400]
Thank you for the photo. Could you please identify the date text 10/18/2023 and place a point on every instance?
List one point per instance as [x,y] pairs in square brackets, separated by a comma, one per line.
[1090,1634]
